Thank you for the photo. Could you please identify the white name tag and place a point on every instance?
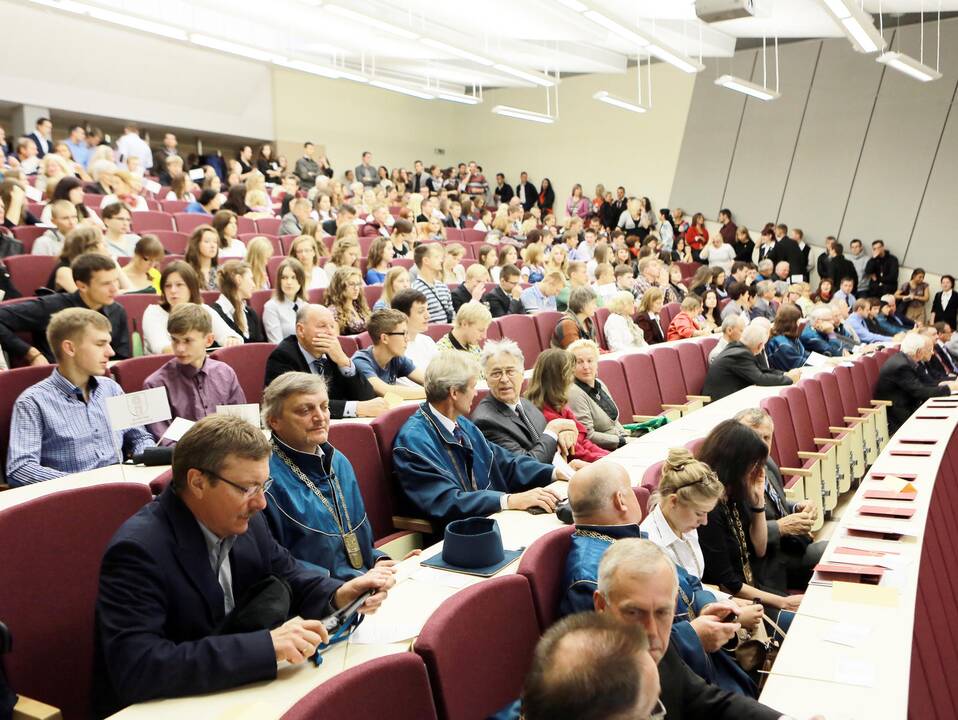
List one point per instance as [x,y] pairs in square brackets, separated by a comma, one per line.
[249,412]
[196,174]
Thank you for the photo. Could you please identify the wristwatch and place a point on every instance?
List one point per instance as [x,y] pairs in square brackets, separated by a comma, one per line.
[757,509]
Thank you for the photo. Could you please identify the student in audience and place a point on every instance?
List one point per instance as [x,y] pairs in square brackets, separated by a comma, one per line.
[578,322]
[377,261]
[304,250]
[738,367]
[858,322]
[469,329]
[420,348]
[546,198]
[472,288]
[226,226]
[181,188]
[61,425]
[552,377]
[719,253]
[507,255]
[648,317]
[944,307]
[401,237]
[732,328]
[888,321]
[590,401]
[881,271]
[452,270]
[397,280]
[347,301]
[119,240]
[289,294]
[385,362]
[202,254]
[709,318]
[511,421]
[914,296]
[235,279]
[740,300]
[505,298]
[901,382]
[685,324]
[447,469]
[79,242]
[764,297]
[542,294]
[125,191]
[784,349]
[825,291]
[676,287]
[650,272]
[621,332]
[428,259]
[533,259]
[292,224]
[64,217]
[160,634]
[69,189]
[604,285]
[236,197]
[195,384]
[208,203]
[258,252]
[141,272]
[345,254]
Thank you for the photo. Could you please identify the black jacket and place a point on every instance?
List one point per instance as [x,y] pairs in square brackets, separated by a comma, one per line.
[460,296]
[532,195]
[504,193]
[736,368]
[33,316]
[502,426]
[788,250]
[899,380]
[842,267]
[947,314]
[254,328]
[502,304]
[653,331]
[288,358]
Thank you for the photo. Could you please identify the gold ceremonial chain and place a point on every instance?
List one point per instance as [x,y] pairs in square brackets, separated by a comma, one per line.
[594,535]
[736,523]
[350,540]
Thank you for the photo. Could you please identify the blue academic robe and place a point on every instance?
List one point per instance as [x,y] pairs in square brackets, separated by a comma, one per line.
[444,479]
[302,524]
[581,581]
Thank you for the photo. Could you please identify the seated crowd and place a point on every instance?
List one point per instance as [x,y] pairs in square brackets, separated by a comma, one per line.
[246,513]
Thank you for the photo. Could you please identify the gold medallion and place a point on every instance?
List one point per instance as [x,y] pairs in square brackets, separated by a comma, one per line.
[352,550]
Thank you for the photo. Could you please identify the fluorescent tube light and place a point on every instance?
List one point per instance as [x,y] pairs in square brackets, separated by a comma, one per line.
[857,25]
[68,5]
[574,5]
[307,67]
[234,48]
[839,8]
[749,88]
[542,80]
[384,85]
[371,22]
[909,66]
[603,96]
[453,50]
[675,60]
[617,28]
[457,97]
[520,114]
[135,23]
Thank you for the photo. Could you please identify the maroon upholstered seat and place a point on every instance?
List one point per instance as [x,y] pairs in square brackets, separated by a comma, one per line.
[546,321]
[522,329]
[386,427]
[12,384]
[188,222]
[478,647]
[49,592]
[543,565]
[259,299]
[651,476]
[174,241]
[131,373]
[611,373]
[693,366]
[151,220]
[669,311]
[643,387]
[437,330]
[268,226]
[135,305]
[29,272]
[249,363]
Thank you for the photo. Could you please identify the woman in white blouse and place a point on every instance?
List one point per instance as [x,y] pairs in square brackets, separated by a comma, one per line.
[621,332]
[279,314]
[227,228]
[179,285]
[304,250]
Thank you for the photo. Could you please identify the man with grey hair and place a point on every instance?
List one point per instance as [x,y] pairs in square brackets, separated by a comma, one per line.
[445,466]
[732,328]
[901,382]
[764,295]
[818,335]
[315,508]
[790,553]
[637,584]
[508,419]
[737,366]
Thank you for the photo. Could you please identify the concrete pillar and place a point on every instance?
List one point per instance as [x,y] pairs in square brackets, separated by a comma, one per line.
[25,119]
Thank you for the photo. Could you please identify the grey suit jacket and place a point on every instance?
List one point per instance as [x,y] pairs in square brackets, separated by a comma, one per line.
[502,426]
[599,427]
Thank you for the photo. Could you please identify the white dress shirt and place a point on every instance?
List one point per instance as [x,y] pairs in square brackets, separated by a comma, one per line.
[684,551]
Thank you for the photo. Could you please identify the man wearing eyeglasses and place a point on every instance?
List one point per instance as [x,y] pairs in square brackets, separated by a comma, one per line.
[195,594]
[385,362]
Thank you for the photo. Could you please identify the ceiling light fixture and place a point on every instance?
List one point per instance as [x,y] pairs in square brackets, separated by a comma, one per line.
[246,51]
[641,40]
[405,90]
[616,28]
[307,67]
[453,50]
[675,60]
[909,66]
[68,5]
[542,80]
[749,88]
[520,114]
[574,5]
[371,22]
[603,96]
[457,97]
[135,23]
[857,25]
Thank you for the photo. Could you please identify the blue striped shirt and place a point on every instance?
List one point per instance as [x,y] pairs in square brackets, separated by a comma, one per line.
[54,432]
[438,300]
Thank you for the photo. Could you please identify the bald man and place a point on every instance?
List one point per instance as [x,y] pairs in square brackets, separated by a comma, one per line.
[315,348]
[606,510]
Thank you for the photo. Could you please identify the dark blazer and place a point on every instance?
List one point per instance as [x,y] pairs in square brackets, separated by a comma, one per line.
[159,604]
[736,368]
[947,314]
[460,296]
[505,193]
[788,250]
[502,304]
[451,222]
[532,195]
[900,381]
[288,358]
[502,426]
[686,695]
[43,145]
[842,267]
[254,328]
[650,328]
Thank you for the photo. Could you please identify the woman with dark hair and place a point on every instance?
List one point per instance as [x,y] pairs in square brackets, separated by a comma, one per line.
[268,165]
[236,288]
[236,200]
[70,188]
[700,281]
[944,308]
[913,296]
[697,235]
[784,348]
[666,229]
[547,196]
[279,314]
[736,529]
[203,255]
[245,160]
[227,230]
[824,292]
[717,281]
[711,318]
[744,245]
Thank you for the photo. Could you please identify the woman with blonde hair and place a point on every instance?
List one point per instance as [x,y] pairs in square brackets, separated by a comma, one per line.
[345,253]
[180,188]
[377,261]
[397,279]
[125,191]
[453,273]
[279,314]
[259,205]
[558,259]
[621,332]
[303,249]
[685,324]
[258,253]
[548,390]
[533,263]
[347,301]
[591,402]
[235,279]
[468,330]
[346,232]
[313,229]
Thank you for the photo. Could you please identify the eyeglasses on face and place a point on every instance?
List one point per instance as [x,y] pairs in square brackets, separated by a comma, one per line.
[499,373]
[249,491]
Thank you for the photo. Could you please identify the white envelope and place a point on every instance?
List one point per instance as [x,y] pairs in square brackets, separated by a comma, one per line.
[816,359]
[196,174]
[138,408]
[33,194]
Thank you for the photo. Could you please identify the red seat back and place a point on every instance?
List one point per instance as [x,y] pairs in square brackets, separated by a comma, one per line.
[268,226]
[668,373]
[543,565]
[29,272]
[706,345]
[173,206]
[188,222]
[797,404]
[817,407]
[151,220]
[174,242]
[612,374]
[522,329]
[601,315]
[314,295]
[669,311]
[651,476]
[273,239]
[363,340]
[245,225]
[546,321]
[357,442]
[846,387]
[870,363]
[348,344]
[135,305]
[133,372]
[486,631]
[693,366]
[49,593]
[494,332]
[259,299]
[12,384]
[249,363]
[27,234]
[437,330]
[785,448]
[863,391]
[386,427]
[470,235]
[643,388]
[372,293]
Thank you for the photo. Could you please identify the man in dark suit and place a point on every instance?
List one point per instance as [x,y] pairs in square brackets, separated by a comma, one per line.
[471,288]
[191,585]
[737,367]
[502,193]
[901,382]
[841,267]
[315,349]
[41,136]
[787,250]
[504,298]
[508,419]
[526,192]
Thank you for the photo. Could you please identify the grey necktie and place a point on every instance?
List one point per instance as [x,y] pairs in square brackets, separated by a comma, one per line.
[523,418]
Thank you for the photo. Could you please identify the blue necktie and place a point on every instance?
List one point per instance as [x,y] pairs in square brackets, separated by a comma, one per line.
[457,435]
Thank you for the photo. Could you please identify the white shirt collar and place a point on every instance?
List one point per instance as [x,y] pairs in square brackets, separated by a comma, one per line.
[449,425]
[227,306]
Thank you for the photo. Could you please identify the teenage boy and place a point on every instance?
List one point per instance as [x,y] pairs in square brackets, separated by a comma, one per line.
[385,362]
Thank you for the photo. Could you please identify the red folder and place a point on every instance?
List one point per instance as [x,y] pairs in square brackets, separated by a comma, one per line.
[931,417]
[883,511]
[869,574]
[888,495]
[883,475]
[859,551]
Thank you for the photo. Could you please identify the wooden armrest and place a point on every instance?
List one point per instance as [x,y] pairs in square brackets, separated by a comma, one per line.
[869,411]
[840,428]
[826,441]
[675,407]
[854,420]
[796,471]
[28,709]
[817,455]
[414,524]
[643,418]
[879,403]
[703,398]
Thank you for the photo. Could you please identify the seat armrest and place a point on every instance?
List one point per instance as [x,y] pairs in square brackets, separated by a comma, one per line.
[703,398]
[643,418]
[869,411]
[854,419]
[800,472]
[879,403]
[806,454]
[414,524]
[828,441]
[675,407]
[840,428]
